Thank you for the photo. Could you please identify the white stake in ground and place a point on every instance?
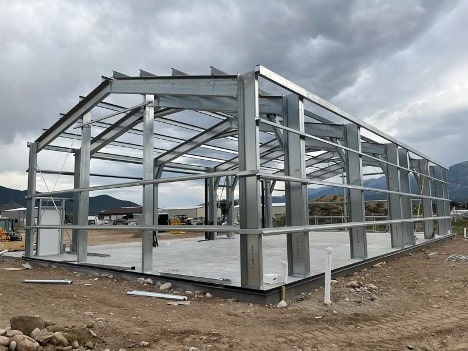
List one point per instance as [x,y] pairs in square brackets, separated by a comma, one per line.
[326,299]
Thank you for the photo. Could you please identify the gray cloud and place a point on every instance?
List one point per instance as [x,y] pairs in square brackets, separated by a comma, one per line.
[375,59]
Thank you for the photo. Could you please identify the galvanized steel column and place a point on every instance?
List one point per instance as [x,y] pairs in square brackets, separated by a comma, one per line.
[83,201]
[157,172]
[394,205]
[230,203]
[406,206]
[356,212]
[212,207]
[148,174]
[267,204]
[425,189]
[448,221]
[76,200]
[296,193]
[440,204]
[251,256]
[30,202]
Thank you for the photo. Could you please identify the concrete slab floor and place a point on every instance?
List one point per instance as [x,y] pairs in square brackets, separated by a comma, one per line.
[219,259]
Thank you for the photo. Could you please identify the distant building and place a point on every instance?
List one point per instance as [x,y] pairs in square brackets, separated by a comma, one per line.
[17,214]
[121,215]
[277,209]
[458,213]
[195,212]
[125,215]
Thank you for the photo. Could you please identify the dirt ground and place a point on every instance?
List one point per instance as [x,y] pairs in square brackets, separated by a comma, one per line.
[416,302]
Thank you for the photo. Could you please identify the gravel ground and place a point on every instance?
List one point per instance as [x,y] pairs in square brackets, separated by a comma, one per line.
[416,302]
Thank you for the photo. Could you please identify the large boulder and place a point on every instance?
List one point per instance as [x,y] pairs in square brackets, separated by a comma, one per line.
[4,341]
[25,343]
[43,336]
[27,323]
[60,339]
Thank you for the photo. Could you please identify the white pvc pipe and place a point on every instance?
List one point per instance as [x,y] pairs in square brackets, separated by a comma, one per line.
[464,233]
[326,299]
[3,252]
[158,295]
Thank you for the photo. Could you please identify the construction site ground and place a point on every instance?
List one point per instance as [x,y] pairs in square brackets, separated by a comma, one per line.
[416,302]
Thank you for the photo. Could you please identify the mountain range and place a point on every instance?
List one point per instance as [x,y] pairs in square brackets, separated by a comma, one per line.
[457,177]
[11,198]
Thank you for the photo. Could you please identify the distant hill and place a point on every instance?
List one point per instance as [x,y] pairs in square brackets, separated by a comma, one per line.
[458,182]
[96,203]
[10,196]
[457,177]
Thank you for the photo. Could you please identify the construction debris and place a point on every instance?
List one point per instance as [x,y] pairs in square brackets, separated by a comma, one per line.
[179,303]
[457,258]
[157,295]
[48,281]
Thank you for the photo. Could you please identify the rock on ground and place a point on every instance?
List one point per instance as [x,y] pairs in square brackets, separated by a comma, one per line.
[25,343]
[27,323]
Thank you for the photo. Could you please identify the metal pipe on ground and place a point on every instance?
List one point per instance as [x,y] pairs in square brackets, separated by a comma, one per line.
[48,281]
[157,295]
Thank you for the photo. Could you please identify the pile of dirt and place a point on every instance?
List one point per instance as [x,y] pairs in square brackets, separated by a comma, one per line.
[415,302]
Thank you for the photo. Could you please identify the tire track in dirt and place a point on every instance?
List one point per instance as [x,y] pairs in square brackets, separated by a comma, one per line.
[381,333]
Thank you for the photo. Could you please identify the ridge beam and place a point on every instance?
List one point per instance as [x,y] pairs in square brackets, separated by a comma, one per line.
[178,85]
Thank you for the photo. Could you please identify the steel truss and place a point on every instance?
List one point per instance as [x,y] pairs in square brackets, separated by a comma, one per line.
[228,131]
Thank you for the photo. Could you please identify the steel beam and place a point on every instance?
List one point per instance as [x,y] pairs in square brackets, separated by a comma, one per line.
[31,201]
[406,206]
[356,212]
[422,166]
[325,157]
[230,185]
[84,106]
[183,85]
[267,212]
[211,207]
[278,132]
[326,172]
[157,173]
[119,128]
[294,88]
[268,152]
[437,172]
[448,221]
[325,130]
[83,195]
[251,246]
[76,199]
[296,193]
[148,189]
[226,104]
[194,142]
[394,204]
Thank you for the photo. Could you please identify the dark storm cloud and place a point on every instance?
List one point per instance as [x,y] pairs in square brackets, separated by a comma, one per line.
[53,51]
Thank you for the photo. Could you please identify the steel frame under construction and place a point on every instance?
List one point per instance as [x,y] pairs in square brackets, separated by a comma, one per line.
[253,135]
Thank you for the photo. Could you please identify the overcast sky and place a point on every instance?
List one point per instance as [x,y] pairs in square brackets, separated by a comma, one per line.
[400,65]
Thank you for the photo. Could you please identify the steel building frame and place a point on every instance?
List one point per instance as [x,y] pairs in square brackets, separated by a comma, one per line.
[260,134]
